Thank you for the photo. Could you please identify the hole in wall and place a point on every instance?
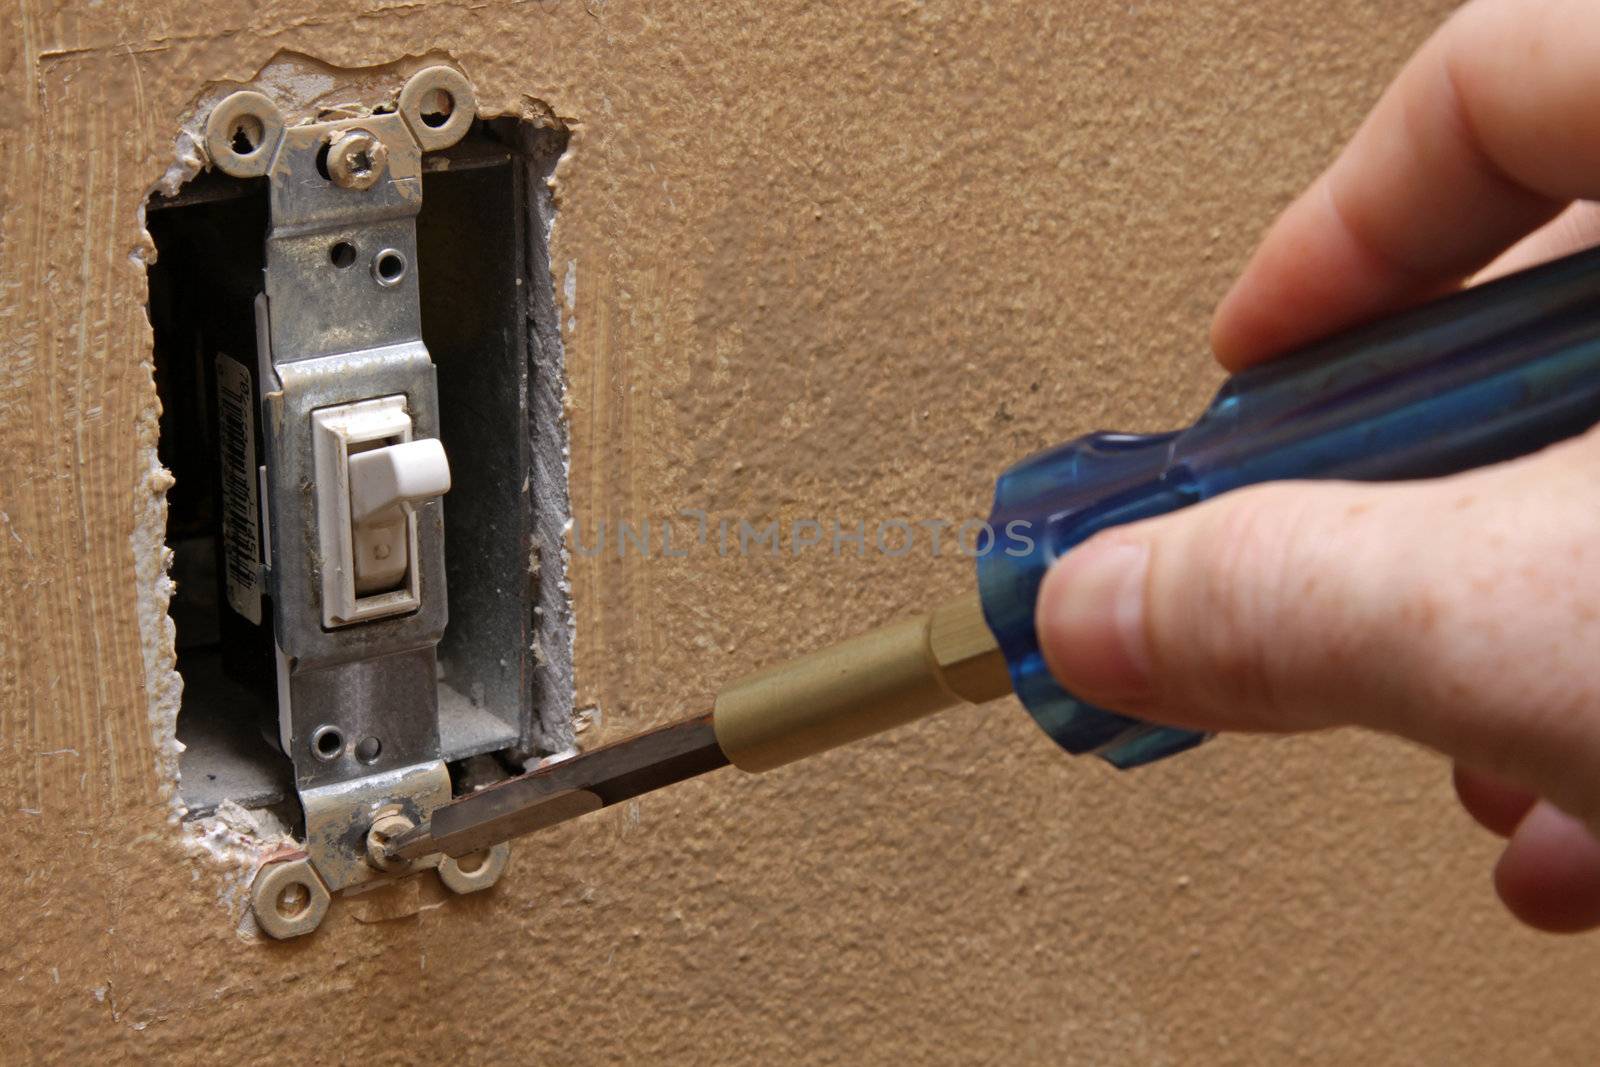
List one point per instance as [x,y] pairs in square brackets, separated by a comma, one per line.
[489,320]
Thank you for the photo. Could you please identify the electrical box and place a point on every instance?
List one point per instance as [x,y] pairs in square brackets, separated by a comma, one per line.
[359,363]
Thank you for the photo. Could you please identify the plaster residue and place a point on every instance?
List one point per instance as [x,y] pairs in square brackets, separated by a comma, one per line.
[237,840]
[152,561]
[587,720]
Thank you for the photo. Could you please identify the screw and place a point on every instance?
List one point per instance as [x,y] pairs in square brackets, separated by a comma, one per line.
[384,829]
[356,159]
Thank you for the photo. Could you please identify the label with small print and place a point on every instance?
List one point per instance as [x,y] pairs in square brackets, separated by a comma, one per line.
[241,513]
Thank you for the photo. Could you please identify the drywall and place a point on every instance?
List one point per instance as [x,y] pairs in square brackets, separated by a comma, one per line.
[830,262]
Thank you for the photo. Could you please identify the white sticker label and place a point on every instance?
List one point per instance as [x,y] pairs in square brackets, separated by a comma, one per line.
[241,531]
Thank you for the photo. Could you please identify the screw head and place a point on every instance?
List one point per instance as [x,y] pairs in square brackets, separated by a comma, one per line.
[383,830]
[356,159]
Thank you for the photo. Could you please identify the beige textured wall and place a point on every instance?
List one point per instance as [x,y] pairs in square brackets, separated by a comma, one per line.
[831,260]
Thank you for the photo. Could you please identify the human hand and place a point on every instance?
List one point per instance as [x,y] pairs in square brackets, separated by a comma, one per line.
[1462,613]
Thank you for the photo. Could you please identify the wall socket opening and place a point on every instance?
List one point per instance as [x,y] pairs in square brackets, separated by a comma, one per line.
[491,326]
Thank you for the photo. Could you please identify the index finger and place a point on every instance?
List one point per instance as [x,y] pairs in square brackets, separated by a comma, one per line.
[1487,133]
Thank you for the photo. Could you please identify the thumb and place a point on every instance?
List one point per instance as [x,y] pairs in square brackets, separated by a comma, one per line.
[1463,613]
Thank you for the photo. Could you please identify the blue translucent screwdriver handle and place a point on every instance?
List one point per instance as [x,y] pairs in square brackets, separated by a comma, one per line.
[1480,376]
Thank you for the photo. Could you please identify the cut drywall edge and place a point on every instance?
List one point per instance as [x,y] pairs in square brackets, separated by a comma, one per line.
[152,560]
[237,840]
[555,623]
[157,633]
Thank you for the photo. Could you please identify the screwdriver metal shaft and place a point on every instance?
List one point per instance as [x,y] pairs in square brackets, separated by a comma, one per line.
[772,717]
[561,791]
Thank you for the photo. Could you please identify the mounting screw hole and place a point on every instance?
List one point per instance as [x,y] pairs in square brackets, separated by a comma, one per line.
[327,742]
[472,862]
[388,267]
[293,901]
[322,161]
[246,136]
[436,108]
[342,254]
[368,749]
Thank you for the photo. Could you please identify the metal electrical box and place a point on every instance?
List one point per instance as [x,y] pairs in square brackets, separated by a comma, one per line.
[362,410]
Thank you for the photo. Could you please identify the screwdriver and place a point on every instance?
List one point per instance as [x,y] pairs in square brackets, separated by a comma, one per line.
[1483,375]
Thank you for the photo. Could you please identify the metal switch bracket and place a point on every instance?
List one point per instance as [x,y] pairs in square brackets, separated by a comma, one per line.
[339,323]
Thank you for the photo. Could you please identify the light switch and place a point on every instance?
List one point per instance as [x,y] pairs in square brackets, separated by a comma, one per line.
[385,483]
[371,474]
[377,629]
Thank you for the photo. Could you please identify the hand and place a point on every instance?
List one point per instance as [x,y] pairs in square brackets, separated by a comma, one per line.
[1462,613]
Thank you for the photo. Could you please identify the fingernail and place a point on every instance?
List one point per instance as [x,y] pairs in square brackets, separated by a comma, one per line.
[1091,620]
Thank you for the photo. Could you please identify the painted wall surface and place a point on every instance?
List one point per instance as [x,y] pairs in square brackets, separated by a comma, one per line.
[818,261]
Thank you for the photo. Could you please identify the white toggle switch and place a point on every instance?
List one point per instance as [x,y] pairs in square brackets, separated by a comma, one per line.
[386,478]
[370,475]
[385,483]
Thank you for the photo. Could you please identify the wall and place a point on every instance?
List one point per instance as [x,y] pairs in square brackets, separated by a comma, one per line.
[832,261]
